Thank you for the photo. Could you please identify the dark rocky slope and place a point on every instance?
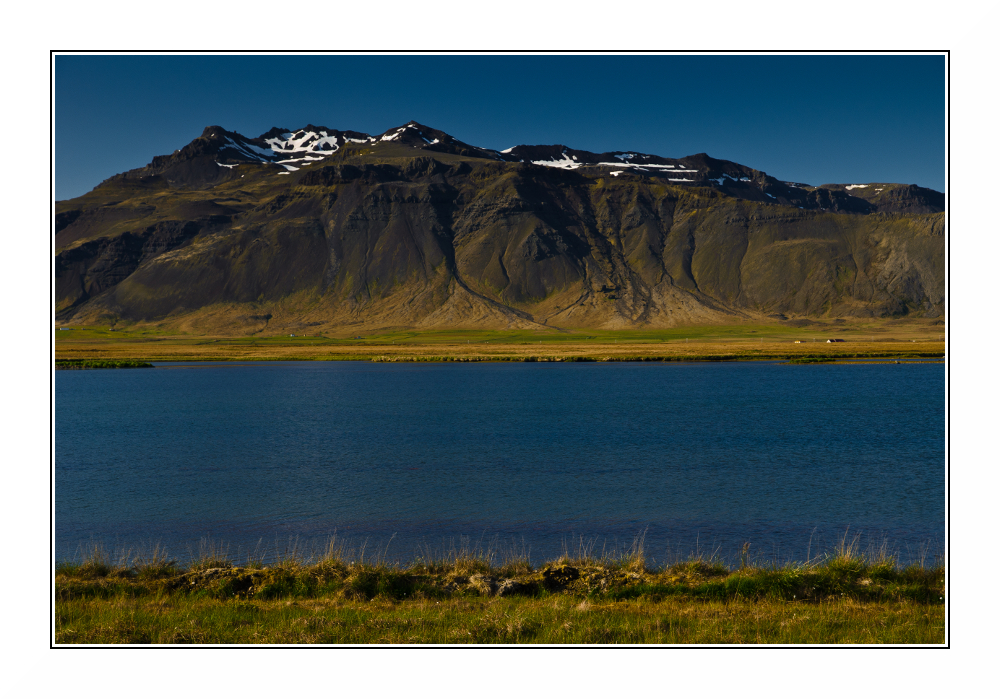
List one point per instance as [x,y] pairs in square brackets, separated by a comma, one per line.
[420,230]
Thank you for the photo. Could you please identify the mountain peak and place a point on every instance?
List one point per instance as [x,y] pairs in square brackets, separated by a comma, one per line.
[273,132]
[213,132]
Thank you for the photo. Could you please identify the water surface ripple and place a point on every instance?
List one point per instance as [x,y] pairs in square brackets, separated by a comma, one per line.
[696,455]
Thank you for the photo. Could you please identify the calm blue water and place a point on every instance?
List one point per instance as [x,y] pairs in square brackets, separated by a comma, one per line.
[414,457]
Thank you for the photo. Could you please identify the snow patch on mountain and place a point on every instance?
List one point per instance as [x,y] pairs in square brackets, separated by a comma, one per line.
[725,176]
[390,137]
[304,141]
[645,165]
[303,145]
[248,150]
[566,163]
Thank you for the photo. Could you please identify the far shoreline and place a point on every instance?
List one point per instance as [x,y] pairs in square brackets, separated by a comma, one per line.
[150,362]
[880,341]
[131,353]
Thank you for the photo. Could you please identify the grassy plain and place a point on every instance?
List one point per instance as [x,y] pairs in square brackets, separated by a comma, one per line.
[918,338]
[843,598]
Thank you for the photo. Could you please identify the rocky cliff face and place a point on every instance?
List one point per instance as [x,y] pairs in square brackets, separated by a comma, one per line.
[414,228]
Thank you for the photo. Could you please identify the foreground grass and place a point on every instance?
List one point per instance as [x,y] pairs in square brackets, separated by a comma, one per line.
[846,598]
[556,620]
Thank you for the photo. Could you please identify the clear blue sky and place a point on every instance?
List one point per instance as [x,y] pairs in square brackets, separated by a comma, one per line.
[812,119]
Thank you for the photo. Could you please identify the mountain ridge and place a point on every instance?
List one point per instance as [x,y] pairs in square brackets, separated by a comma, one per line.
[292,150]
[413,227]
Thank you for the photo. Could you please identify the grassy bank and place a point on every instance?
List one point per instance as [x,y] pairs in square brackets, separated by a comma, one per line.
[224,350]
[842,598]
[738,341]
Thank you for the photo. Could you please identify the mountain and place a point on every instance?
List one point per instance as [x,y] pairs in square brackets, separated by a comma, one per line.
[414,228]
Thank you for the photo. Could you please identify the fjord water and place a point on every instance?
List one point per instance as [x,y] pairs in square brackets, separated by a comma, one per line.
[407,459]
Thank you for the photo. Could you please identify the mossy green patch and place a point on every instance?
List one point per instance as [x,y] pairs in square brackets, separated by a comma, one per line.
[102,364]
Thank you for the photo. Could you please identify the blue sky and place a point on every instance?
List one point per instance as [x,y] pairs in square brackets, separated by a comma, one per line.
[812,119]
